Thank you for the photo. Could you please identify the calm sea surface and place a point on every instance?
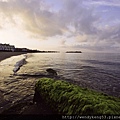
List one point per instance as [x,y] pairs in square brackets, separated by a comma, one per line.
[98,71]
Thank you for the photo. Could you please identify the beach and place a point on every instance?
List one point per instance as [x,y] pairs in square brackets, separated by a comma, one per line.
[4,55]
[17,91]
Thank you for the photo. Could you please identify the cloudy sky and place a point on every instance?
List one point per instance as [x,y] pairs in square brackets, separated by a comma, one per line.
[88,25]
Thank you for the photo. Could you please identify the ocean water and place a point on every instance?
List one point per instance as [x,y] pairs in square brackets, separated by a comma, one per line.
[98,71]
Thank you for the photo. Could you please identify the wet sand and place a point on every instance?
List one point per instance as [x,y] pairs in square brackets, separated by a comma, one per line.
[4,55]
[17,91]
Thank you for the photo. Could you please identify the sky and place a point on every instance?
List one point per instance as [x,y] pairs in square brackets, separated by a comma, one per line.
[86,25]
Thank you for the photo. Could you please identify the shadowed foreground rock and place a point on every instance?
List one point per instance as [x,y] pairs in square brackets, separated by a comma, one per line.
[28,108]
[37,107]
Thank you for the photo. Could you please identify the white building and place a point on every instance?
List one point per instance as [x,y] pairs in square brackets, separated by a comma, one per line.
[7,47]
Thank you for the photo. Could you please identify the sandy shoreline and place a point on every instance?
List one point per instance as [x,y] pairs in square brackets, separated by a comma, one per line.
[16,92]
[4,55]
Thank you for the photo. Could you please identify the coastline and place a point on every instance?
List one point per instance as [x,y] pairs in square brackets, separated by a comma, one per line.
[21,83]
[4,55]
[21,106]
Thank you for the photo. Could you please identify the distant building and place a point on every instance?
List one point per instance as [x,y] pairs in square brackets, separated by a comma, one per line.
[11,48]
[7,47]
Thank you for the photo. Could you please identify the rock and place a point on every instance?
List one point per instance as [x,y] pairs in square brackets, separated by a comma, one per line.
[19,64]
[51,72]
[16,69]
[37,97]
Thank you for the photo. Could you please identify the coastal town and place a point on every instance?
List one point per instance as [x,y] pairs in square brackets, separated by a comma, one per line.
[11,48]
[7,47]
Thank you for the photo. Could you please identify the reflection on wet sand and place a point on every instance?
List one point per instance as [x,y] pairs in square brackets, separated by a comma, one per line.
[18,88]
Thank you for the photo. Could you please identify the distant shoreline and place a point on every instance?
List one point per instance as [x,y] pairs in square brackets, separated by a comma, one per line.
[7,54]
[73,52]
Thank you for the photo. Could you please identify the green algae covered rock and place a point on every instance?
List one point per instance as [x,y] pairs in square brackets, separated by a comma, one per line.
[70,99]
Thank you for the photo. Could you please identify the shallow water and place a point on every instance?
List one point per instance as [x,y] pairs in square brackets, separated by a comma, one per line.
[95,71]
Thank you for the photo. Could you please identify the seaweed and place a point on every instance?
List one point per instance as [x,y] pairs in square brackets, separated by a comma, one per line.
[70,99]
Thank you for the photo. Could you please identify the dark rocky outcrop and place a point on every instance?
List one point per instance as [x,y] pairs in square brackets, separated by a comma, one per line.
[51,72]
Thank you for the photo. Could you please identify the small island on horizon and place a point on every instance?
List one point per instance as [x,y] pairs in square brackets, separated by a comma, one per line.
[73,52]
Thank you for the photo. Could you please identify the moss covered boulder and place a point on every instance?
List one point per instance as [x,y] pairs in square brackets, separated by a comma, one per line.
[70,99]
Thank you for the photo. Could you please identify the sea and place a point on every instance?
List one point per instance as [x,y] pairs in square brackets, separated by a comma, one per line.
[96,71]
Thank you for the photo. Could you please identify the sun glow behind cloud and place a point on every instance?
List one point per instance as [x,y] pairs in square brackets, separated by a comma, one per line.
[73,24]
